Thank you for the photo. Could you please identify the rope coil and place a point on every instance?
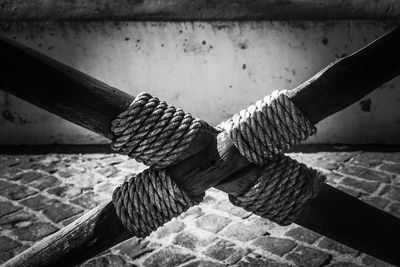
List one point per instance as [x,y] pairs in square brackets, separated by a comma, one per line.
[268,128]
[150,199]
[280,190]
[153,132]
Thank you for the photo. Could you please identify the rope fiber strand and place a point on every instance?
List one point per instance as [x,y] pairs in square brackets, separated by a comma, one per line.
[148,200]
[153,132]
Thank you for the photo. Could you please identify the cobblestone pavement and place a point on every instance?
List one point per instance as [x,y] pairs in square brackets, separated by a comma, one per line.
[42,193]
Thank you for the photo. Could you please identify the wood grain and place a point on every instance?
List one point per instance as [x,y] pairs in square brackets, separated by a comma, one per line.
[215,161]
[205,10]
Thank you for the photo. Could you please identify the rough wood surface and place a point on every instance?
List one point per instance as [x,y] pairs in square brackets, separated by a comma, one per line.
[173,10]
[333,213]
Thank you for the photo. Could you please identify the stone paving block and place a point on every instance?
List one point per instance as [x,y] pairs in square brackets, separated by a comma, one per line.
[7,248]
[373,175]
[393,168]
[106,261]
[194,212]
[303,234]
[29,163]
[341,157]
[69,172]
[393,157]
[58,211]
[135,247]
[186,240]
[394,209]
[167,257]
[88,200]
[275,245]
[349,191]
[192,241]
[365,173]
[368,159]
[377,202]
[15,191]
[86,180]
[260,261]
[108,171]
[7,208]
[37,202]
[333,177]
[203,263]
[392,192]
[309,257]
[9,161]
[106,188]
[45,182]
[8,173]
[173,226]
[13,220]
[212,223]
[226,251]
[359,184]
[68,191]
[27,177]
[330,244]
[264,224]
[34,231]
[242,232]
[371,261]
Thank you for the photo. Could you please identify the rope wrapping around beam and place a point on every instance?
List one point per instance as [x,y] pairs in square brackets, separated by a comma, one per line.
[262,133]
[280,190]
[153,132]
[148,200]
[268,128]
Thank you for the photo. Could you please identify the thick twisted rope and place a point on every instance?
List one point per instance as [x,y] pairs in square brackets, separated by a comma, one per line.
[153,132]
[262,133]
[268,128]
[282,187]
[148,200]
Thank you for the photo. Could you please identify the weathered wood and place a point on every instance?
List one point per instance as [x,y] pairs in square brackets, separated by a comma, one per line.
[219,160]
[173,10]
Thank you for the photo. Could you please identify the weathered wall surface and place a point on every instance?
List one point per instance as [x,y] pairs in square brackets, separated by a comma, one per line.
[209,69]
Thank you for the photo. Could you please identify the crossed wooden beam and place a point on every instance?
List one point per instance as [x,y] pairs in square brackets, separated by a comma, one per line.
[212,160]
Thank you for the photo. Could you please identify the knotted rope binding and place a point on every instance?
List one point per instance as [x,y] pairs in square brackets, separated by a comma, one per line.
[282,187]
[148,200]
[153,132]
[156,133]
[268,128]
[262,132]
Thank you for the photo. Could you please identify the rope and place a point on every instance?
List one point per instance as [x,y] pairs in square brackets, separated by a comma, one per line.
[148,200]
[268,128]
[281,189]
[153,132]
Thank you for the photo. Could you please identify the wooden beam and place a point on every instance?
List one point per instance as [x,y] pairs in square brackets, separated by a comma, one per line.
[204,10]
[218,163]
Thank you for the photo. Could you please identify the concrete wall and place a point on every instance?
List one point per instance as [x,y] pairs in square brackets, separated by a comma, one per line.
[210,69]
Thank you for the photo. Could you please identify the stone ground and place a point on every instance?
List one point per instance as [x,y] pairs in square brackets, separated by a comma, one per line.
[39,194]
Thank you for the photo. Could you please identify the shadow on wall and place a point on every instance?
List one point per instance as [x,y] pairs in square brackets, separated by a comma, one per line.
[212,70]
